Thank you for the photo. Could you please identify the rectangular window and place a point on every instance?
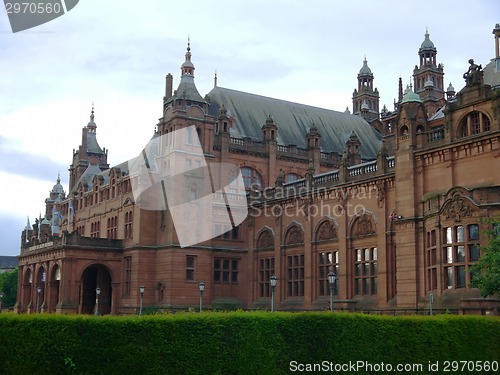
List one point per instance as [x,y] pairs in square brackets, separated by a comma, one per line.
[230,233]
[128,224]
[266,270]
[226,271]
[475,124]
[328,261]
[431,261]
[460,234]
[460,274]
[189,136]
[461,251]
[128,275]
[448,278]
[474,232]
[365,271]
[217,270]
[190,267]
[112,232]
[474,253]
[95,229]
[295,276]
[449,254]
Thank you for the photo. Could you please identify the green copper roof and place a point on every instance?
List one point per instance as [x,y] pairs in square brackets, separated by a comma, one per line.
[410,96]
[294,120]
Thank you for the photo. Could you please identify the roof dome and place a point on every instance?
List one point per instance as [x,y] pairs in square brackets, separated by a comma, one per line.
[428,83]
[364,105]
[365,70]
[58,188]
[450,88]
[410,96]
[427,43]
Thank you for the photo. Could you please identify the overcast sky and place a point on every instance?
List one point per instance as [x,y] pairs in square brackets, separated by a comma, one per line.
[117,53]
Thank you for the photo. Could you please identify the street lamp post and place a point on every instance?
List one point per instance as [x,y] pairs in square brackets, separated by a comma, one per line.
[431,300]
[38,292]
[201,286]
[273,280]
[141,290]
[331,280]
[97,292]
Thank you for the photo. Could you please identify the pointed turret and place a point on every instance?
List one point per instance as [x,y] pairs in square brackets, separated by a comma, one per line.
[89,153]
[186,94]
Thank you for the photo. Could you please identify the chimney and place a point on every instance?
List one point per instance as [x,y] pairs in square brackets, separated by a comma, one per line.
[168,85]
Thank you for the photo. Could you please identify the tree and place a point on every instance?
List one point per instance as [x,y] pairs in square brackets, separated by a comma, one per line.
[8,287]
[486,272]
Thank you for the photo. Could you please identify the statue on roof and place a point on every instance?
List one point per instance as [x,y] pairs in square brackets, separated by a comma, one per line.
[473,76]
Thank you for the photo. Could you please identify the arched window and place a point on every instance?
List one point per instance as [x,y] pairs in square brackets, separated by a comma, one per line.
[365,255]
[473,124]
[266,239]
[294,261]
[327,255]
[251,178]
[290,177]
[404,130]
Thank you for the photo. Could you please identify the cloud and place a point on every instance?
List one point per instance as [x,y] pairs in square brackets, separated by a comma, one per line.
[18,162]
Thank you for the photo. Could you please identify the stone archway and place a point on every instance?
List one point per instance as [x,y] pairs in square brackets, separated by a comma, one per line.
[95,276]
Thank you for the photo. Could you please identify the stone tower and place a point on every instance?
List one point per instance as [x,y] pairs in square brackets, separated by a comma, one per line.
[428,77]
[365,99]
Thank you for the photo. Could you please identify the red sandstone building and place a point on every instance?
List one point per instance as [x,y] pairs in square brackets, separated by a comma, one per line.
[393,202]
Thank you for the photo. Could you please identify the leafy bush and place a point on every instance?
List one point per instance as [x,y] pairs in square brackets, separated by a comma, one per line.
[236,342]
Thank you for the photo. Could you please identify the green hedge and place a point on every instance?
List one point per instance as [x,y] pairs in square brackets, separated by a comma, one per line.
[240,342]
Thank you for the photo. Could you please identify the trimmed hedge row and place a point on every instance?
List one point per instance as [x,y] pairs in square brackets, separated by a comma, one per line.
[238,342]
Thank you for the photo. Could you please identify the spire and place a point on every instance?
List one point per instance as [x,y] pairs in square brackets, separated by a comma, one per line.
[400,90]
[187,68]
[91,125]
[215,79]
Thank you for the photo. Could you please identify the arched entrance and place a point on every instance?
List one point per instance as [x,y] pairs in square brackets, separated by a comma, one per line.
[95,276]
[54,286]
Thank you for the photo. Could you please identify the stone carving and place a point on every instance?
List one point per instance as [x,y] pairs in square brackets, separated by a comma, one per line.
[474,75]
[326,231]
[280,179]
[457,208]
[276,212]
[380,193]
[294,236]
[306,208]
[364,226]
[266,239]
